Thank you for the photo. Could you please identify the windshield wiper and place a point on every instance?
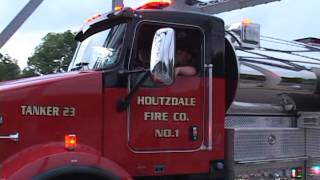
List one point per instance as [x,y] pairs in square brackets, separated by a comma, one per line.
[79,66]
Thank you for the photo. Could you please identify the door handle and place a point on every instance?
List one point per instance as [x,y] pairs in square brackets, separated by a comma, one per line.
[14,137]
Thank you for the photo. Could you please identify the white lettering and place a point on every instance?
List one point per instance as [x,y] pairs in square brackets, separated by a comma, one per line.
[49,111]
[166,101]
[35,110]
[29,110]
[156,116]
[166,133]
[23,110]
[43,111]
[55,111]
[140,100]
[180,117]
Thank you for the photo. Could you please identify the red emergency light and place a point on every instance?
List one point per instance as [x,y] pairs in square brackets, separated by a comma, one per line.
[155,4]
[70,141]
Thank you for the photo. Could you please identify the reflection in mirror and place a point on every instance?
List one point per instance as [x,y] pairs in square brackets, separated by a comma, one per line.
[162,56]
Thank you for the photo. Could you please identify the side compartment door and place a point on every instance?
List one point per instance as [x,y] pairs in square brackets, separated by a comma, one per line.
[168,117]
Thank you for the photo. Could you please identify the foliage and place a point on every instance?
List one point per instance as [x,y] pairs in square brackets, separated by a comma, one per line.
[8,68]
[53,55]
[28,72]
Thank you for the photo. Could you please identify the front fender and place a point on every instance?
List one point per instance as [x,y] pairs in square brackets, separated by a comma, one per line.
[41,158]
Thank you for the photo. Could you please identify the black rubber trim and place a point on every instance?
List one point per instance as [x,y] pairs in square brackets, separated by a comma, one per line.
[76,170]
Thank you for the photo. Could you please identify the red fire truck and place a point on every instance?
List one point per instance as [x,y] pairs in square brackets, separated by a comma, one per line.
[123,112]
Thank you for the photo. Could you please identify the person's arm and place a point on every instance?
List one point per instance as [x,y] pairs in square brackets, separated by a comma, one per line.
[185,71]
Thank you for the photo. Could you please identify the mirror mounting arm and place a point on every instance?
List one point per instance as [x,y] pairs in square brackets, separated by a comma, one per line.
[135,71]
[123,103]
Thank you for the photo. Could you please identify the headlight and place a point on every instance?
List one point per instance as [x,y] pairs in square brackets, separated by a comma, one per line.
[1,120]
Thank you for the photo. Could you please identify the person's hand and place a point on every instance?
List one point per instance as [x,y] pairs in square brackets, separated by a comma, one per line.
[185,71]
[156,79]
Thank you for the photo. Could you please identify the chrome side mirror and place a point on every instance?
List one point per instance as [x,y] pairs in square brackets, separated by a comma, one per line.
[162,56]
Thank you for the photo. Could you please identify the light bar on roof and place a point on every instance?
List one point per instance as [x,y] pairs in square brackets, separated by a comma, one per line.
[155,4]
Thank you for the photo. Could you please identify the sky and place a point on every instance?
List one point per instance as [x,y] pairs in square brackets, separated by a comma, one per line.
[287,19]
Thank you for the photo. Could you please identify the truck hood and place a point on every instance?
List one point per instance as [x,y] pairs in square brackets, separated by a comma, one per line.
[33,79]
[39,80]
[36,79]
[43,109]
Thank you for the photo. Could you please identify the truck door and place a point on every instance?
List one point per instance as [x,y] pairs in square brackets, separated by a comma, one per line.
[168,117]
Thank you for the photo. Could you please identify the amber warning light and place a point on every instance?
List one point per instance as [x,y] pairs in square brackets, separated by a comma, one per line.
[246,22]
[70,141]
[92,18]
[118,8]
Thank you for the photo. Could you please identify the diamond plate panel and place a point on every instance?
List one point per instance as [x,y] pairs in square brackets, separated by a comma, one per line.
[258,121]
[272,143]
[313,142]
[309,120]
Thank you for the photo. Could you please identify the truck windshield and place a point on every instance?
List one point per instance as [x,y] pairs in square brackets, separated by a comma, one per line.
[100,50]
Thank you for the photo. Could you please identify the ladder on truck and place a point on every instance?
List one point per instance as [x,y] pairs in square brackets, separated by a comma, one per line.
[216,6]
[210,7]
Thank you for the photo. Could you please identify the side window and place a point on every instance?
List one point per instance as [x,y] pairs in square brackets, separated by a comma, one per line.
[142,47]
[188,55]
[189,48]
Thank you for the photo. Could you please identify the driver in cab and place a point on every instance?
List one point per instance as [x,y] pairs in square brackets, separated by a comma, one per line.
[184,64]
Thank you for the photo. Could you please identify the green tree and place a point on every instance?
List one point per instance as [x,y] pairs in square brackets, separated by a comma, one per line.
[28,72]
[8,68]
[52,55]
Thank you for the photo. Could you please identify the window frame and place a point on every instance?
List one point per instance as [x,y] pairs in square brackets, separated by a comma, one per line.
[134,45]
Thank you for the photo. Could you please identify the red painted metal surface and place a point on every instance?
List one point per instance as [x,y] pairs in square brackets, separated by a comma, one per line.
[164,123]
[101,128]
[81,91]
[143,164]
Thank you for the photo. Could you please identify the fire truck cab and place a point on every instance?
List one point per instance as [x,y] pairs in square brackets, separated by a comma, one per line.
[162,94]
[165,123]
[123,109]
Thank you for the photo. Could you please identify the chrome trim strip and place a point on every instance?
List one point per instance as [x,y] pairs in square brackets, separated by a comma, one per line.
[210,78]
[14,137]
[273,160]
[166,151]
